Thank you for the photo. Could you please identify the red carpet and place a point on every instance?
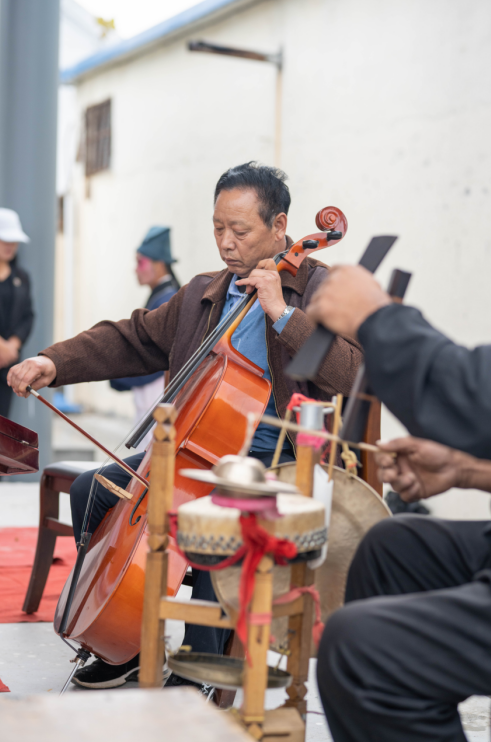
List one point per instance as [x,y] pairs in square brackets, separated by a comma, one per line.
[17,548]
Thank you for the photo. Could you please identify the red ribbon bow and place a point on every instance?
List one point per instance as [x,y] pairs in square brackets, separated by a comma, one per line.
[256,543]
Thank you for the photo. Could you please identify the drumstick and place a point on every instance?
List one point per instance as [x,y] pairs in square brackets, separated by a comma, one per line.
[281,440]
[112,456]
[270,420]
[335,429]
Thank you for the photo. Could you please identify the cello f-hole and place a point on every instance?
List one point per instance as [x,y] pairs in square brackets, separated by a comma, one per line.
[136,508]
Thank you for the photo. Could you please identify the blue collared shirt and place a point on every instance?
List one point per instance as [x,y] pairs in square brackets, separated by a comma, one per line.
[250,340]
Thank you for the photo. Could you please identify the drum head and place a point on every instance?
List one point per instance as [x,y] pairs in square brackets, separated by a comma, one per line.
[356,507]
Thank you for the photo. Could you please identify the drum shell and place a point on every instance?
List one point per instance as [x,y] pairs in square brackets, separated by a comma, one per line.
[212,532]
[356,507]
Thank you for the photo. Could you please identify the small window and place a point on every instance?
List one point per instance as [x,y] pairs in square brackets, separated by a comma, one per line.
[98,138]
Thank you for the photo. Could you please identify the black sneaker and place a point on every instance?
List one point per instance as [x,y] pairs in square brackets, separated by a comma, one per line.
[99,674]
[174,681]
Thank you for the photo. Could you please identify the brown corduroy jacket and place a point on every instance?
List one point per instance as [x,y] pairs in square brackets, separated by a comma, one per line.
[166,337]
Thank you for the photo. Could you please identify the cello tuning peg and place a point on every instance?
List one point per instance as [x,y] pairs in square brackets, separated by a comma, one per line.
[310,244]
[334,235]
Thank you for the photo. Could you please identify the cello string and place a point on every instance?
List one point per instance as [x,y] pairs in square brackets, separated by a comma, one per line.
[211,339]
[197,357]
[182,377]
[230,317]
[141,429]
[188,370]
[102,466]
[169,394]
[95,484]
[222,327]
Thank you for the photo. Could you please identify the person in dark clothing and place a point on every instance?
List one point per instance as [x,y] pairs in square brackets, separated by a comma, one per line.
[154,269]
[436,388]
[16,314]
[413,639]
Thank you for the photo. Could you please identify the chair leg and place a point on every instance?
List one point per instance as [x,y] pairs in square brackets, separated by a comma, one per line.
[45,547]
[224,699]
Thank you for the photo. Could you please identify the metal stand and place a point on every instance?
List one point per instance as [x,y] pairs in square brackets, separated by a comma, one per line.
[80,660]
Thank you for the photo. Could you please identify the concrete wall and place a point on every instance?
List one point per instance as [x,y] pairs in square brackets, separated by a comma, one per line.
[28,107]
[386,113]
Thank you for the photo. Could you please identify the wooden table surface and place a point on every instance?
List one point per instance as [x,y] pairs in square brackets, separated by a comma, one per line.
[173,715]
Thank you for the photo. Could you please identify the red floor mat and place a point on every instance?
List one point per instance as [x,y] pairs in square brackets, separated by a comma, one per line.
[17,548]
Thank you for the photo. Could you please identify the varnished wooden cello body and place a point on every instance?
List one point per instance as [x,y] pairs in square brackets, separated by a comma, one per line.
[213,404]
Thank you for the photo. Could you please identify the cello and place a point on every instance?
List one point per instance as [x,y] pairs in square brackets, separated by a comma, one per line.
[101,604]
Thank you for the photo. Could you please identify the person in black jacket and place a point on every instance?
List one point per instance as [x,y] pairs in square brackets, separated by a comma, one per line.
[16,314]
[436,388]
[414,638]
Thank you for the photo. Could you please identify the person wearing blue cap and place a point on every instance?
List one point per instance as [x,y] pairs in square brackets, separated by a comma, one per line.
[154,269]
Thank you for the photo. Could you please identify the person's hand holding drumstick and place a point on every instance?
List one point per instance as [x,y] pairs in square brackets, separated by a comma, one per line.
[423,468]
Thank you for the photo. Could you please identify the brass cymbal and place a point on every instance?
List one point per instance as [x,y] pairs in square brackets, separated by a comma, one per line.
[237,476]
[219,671]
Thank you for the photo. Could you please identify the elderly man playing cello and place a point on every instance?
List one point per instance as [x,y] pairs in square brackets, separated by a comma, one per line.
[250,222]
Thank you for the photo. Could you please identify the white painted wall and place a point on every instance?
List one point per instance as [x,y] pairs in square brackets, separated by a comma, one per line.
[80,36]
[386,113]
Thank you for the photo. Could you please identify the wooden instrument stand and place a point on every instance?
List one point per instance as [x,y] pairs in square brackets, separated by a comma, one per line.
[287,722]
[300,622]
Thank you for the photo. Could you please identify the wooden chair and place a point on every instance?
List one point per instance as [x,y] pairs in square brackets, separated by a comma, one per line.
[285,722]
[56,478]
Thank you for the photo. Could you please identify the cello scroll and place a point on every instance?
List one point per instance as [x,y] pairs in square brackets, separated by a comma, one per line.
[332,219]
[334,226]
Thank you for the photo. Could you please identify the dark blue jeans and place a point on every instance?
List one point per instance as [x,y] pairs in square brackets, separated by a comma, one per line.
[201,638]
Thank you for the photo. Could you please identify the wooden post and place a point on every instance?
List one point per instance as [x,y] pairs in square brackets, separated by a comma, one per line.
[224,699]
[256,673]
[152,650]
[300,631]
[300,626]
[335,430]
[307,458]
[372,435]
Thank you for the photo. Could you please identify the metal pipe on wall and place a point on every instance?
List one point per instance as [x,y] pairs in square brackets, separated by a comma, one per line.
[276,59]
[29,36]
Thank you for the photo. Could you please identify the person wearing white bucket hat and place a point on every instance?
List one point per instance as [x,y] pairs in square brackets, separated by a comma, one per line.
[16,314]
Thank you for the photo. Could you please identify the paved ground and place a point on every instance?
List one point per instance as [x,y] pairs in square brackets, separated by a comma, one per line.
[34,660]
